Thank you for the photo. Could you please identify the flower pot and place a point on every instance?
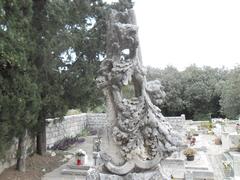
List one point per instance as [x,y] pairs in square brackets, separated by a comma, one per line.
[227,172]
[190,158]
[80,160]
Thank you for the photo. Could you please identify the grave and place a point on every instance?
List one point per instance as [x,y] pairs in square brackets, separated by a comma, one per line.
[200,168]
[230,141]
[235,163]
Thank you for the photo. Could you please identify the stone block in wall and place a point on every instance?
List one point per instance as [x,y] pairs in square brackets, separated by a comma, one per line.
[73,125]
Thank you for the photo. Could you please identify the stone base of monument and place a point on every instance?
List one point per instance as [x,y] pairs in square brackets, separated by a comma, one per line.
[76,170]
[174,167]
[235,162]
[200,168]
[145,175]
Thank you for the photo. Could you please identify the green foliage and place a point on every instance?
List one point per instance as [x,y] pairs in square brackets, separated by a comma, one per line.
[74,34]
[208,125]
[200,92]
[198,116]
[19,96]
[171,79]
[84,133]
[99,109]
[194,92]
[128,91]
[230,97]
[34,37]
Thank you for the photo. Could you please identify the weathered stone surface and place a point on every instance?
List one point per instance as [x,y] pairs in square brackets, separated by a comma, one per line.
[137,134]
[230,141]
[147,175]
[200,168]
[236,163]
[74,172]
[73,125]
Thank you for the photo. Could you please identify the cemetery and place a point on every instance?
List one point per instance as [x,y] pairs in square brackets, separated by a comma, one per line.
[212,160]
[127,125]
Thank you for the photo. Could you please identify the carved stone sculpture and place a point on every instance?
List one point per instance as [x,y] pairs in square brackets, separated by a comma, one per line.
[137,137]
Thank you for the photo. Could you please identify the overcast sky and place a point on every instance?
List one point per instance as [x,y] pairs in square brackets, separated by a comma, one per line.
[184,32]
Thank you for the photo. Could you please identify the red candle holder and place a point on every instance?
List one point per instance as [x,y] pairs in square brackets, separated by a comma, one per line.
[78,162]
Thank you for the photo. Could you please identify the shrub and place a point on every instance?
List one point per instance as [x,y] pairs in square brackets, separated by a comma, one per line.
[189,152]
[65,143]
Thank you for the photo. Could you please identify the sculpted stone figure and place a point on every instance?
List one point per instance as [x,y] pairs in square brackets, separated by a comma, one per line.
[137,137]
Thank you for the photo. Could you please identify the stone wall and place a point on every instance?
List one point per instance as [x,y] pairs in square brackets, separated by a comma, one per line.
[96,121]
[177,122]
[72,125]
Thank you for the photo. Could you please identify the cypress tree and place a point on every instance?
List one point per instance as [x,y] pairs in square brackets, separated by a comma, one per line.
[19,96]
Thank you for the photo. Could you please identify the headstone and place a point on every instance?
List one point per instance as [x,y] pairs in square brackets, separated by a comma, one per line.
[200,168]
[225,141]
[236,164]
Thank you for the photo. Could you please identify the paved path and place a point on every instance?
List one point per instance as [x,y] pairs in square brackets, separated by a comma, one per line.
[216,161]
[214,153]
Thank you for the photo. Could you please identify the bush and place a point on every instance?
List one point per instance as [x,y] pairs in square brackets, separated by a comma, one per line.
[207,125]
[189,152]
[201,117]
[65,143]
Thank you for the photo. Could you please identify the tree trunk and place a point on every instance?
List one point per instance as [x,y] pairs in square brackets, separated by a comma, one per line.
[22,153]
[41,141]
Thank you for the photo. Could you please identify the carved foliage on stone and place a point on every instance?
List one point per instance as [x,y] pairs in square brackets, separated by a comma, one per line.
[141,131]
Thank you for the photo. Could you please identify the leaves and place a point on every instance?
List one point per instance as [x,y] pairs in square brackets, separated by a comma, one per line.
[230,97]
[194,91]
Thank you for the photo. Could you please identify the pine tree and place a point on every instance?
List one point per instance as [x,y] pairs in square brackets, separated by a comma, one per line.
[19,96]
[58,27]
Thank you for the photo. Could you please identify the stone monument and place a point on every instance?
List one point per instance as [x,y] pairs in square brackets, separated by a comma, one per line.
[138,136]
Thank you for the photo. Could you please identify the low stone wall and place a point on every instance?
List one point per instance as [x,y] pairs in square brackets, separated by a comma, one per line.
[96,121]
[72,125]
[177,122]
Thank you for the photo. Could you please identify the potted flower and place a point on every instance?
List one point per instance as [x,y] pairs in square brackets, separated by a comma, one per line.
[80,157]
[227,168]
[190,153]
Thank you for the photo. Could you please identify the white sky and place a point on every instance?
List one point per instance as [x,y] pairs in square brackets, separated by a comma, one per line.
[185,32]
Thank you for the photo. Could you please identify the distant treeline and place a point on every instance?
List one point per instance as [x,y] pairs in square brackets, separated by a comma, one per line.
[199,93]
